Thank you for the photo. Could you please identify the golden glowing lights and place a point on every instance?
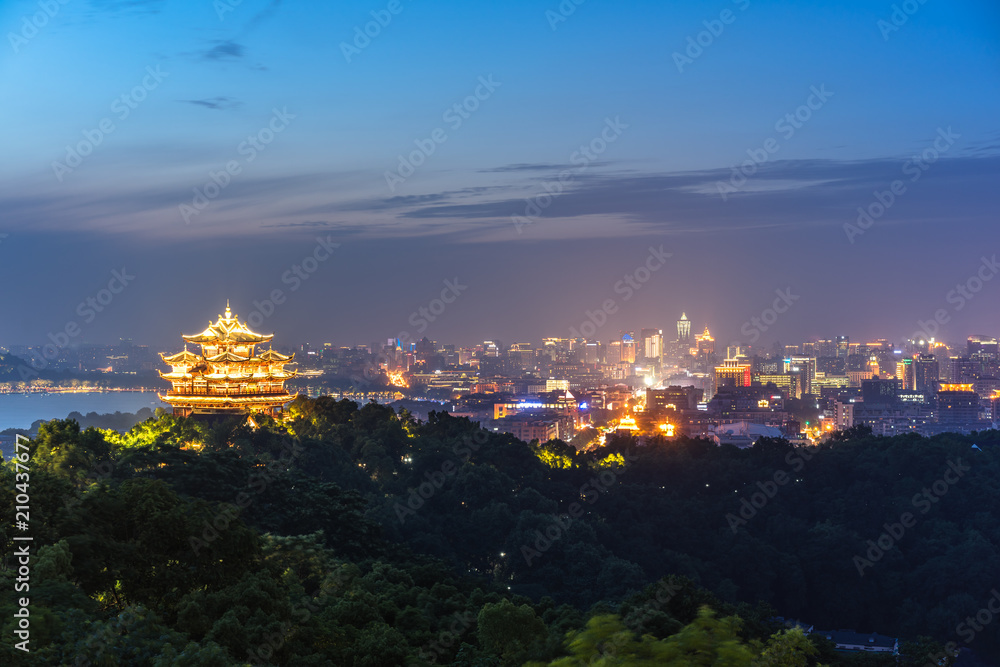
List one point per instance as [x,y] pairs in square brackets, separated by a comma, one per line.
[627,424]
[228,376]
[667,429]
[397,379]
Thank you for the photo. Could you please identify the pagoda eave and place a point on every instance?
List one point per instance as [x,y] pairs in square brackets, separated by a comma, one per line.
[183,399]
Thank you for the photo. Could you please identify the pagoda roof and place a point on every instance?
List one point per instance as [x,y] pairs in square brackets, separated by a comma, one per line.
[230,356]
[184,357]
[228,329]
[175,376]
[228,376]
[271,355]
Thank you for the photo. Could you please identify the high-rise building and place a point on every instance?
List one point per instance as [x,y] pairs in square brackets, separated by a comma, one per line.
[593,353]
[905,374]
[788,382]
[652,344]
[732,373]
[684,330]
[521,356]
[705,343]
[826,348]
[926,373]
[805,367]
[614,355]
[628,349]
[843,346]
[958,405]
[880,393]
[674,398]
[983,346]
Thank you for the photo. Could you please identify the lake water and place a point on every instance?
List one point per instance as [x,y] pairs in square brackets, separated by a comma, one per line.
[21,410]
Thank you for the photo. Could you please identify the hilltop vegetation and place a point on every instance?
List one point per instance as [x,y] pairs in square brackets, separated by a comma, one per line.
[357,536]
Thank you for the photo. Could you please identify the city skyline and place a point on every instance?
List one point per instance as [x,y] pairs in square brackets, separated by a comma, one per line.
[424,318]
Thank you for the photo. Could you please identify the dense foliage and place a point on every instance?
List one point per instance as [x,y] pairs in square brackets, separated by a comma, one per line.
[357,536]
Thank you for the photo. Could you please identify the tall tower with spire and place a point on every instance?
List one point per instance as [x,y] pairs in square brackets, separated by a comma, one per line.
[227,376]
[684,330]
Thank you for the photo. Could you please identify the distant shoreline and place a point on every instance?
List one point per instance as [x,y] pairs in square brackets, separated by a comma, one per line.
[74,390]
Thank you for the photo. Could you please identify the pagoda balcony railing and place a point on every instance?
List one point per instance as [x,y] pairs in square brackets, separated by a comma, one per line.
[203,391]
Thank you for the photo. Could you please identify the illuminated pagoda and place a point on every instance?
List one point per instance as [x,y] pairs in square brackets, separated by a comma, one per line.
[228,377]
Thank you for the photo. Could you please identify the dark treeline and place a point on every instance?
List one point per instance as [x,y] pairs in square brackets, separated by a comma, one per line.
[358,536]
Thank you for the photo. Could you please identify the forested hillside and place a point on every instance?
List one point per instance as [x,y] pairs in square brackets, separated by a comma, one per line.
[358,536]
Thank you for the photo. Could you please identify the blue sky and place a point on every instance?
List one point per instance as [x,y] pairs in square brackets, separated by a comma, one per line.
[345,124]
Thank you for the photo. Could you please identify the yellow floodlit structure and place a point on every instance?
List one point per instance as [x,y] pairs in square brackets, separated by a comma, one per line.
[397,379]
[227,376]
[627,424]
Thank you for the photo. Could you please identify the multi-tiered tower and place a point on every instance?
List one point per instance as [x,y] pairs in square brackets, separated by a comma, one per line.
[227,377]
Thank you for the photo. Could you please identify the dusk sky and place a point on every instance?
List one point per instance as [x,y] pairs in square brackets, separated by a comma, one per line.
[614,107]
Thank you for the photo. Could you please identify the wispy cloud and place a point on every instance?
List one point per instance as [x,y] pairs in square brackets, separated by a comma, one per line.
[224,50]
[216,102]
[788,195]
[304,223]
[525,166]
[261,16]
